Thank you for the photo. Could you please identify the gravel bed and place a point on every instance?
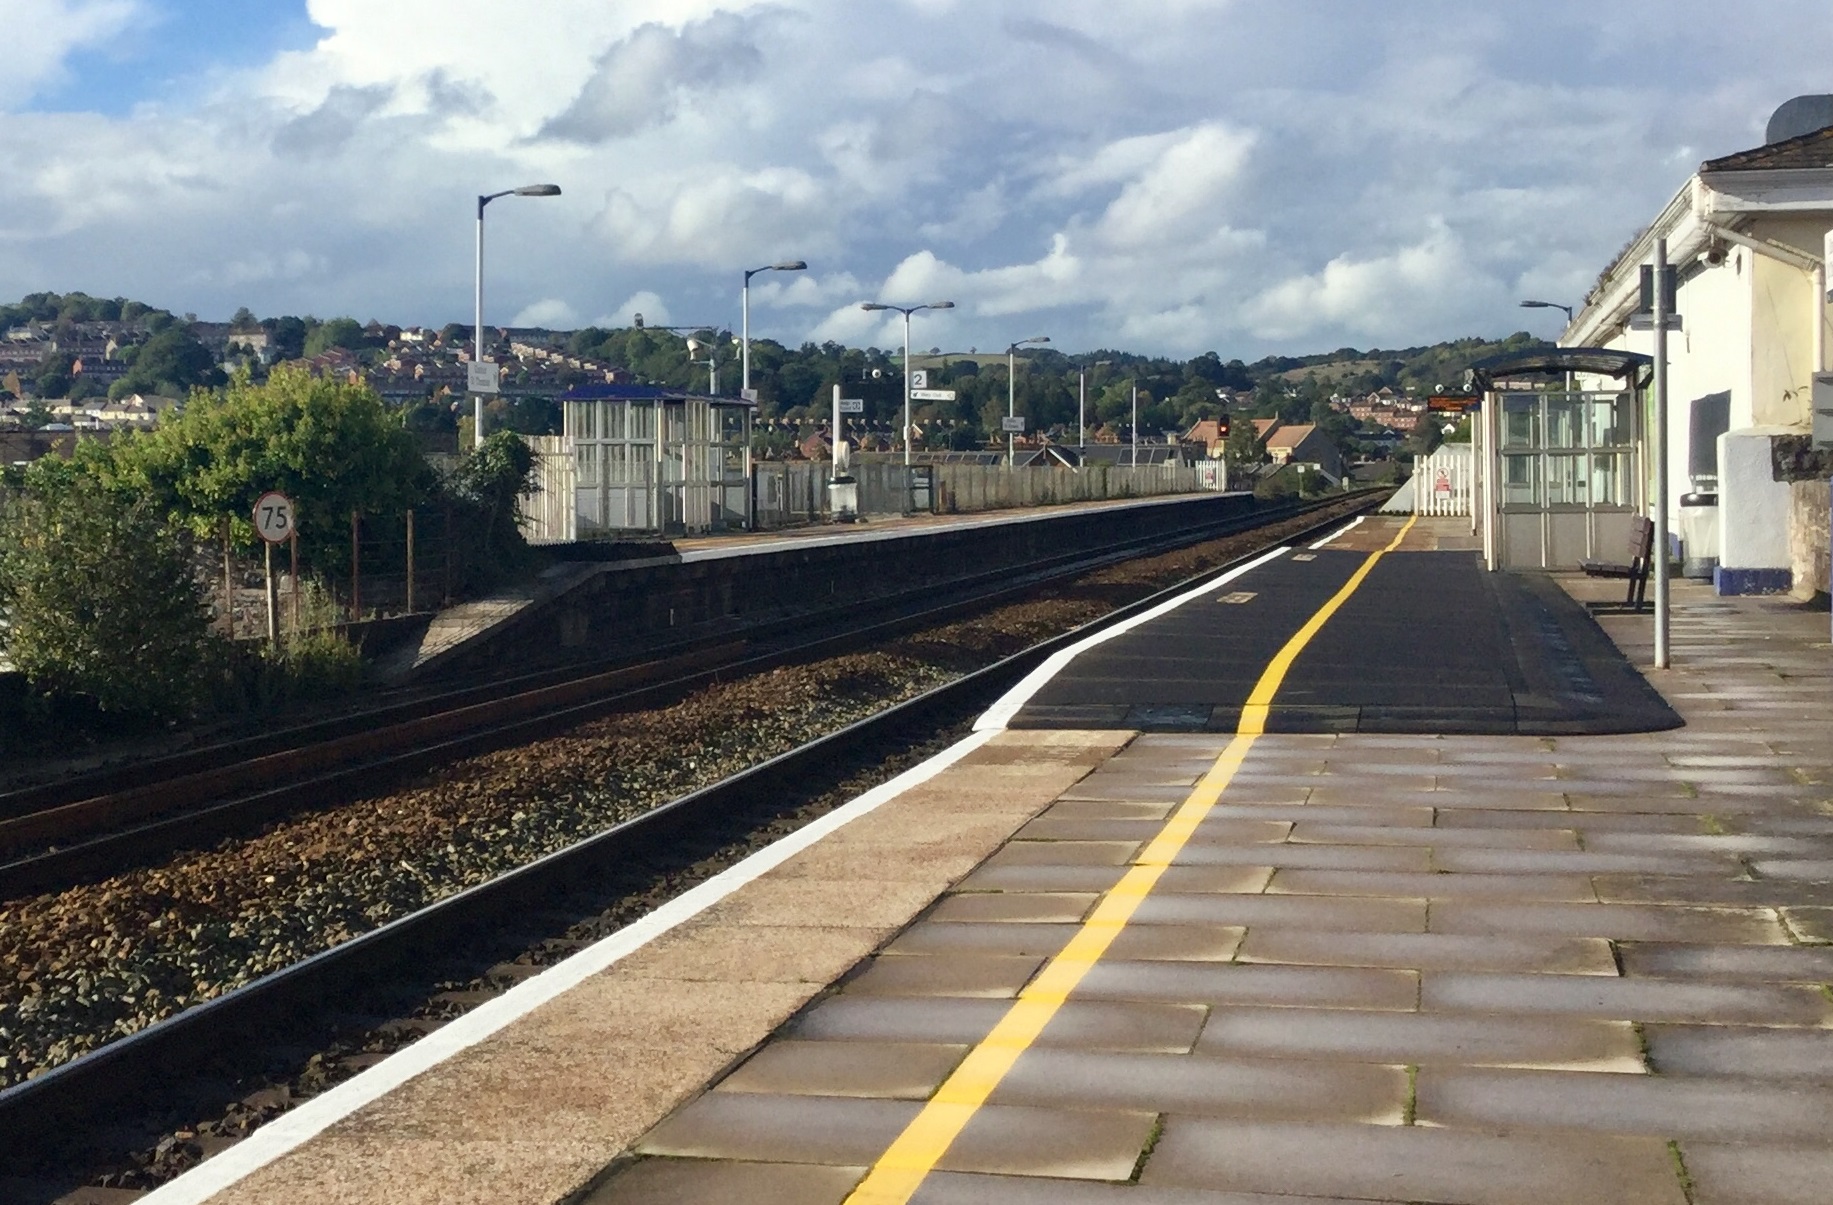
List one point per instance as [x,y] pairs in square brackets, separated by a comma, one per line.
[83,966]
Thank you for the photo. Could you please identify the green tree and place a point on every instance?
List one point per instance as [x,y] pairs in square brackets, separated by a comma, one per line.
[98,595]
[287,337]
[171,363]
[346,333]
[1244,447]
[331,447]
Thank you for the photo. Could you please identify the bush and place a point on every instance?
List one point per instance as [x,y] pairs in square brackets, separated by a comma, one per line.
[98,596]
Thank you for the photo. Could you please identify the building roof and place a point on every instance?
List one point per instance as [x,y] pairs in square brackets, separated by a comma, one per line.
[1290,437]
[643,393]
[1806,150]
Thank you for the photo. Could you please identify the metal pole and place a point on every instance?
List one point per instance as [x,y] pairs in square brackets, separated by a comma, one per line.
[907,314]
[1081,408]
[744,355]
[273,598]
[1135,424]
[477,329]
[1660,559]
[1011,405]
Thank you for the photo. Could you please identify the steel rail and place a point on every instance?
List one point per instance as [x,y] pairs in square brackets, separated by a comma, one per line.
[241,1022]
[313,777]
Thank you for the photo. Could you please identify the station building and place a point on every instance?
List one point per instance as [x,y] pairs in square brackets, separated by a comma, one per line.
[1749,233]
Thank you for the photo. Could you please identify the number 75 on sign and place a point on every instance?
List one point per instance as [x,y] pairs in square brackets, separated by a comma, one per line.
[274,517]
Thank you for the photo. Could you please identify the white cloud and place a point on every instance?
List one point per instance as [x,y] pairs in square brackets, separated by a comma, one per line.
[42,34]
[645,304]
[550,312]
[1174,176]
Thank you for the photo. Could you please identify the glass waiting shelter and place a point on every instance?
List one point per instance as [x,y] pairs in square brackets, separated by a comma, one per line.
[1562,465]
[657,460]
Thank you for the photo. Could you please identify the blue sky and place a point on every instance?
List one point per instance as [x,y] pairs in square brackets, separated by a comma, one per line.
[1174,176]
[173,50]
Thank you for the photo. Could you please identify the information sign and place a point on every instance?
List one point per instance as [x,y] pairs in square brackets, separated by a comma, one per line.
[932,395]
[852,405]
[274,517]
[481,377]
[1014,423]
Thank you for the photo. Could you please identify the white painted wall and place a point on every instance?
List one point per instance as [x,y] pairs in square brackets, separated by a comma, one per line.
[1754,508]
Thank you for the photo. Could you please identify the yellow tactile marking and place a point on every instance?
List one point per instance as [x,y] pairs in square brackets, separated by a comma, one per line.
[900,1171]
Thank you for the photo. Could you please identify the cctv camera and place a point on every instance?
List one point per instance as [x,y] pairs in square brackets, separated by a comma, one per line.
[1715,254]
[878,374]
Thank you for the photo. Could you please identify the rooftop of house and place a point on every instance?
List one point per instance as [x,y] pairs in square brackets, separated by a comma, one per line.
[1803,151]
[1290,437]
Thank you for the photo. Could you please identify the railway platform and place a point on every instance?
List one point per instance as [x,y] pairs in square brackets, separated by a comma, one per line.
[1354,875]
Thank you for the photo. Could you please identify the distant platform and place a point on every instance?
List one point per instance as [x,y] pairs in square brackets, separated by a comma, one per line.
[1429,643]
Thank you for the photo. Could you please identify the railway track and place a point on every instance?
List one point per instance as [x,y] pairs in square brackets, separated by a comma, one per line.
[235,1028]
[92,827]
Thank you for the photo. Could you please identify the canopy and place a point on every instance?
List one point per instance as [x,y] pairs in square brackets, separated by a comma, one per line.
[1633,368]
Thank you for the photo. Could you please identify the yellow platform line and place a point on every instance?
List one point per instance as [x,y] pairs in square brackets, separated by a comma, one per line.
[901,1170]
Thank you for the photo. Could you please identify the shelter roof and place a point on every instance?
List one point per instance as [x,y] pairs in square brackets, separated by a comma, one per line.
[643,393]
[1630,366]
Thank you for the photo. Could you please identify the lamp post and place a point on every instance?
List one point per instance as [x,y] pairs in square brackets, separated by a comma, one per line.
[1135,431]
[906,311]
[527,190]
[1082,402]
[1012,393]
[711,362]
[1549,305]
[789,265]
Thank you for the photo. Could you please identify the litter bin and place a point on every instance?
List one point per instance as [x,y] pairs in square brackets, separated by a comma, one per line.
[1698,535]
[843,499]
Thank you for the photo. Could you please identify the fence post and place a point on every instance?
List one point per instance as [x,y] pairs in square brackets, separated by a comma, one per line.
[228,585]
[410,560]
[293,544]
[356,567]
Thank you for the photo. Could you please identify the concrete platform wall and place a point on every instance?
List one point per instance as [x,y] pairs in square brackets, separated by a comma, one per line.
[625,607]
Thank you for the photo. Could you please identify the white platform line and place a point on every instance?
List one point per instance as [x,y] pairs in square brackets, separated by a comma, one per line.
[1340,532]
[1001,713]
[291,1130]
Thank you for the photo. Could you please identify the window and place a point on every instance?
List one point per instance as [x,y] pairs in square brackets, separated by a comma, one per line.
[1521,480]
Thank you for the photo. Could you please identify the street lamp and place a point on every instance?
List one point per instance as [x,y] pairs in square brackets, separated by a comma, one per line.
[711,362]
[1082,402]
[1012,394]
[1549,305]
[906,311]
[527,190]
[788,265]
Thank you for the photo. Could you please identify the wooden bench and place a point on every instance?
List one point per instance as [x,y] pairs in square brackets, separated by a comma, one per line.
[1641,560]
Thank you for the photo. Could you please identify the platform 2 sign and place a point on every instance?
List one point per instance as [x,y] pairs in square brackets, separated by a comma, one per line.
[274,517]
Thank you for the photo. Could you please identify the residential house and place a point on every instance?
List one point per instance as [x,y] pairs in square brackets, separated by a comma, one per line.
[1306,444]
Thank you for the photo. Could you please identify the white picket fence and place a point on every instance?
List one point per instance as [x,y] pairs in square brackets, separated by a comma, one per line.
[1443,482]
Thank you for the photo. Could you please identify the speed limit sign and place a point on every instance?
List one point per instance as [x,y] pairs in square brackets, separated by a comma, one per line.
[274,517]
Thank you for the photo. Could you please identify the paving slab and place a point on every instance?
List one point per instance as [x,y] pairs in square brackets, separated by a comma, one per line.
[1412,1163]
[1424,1038]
